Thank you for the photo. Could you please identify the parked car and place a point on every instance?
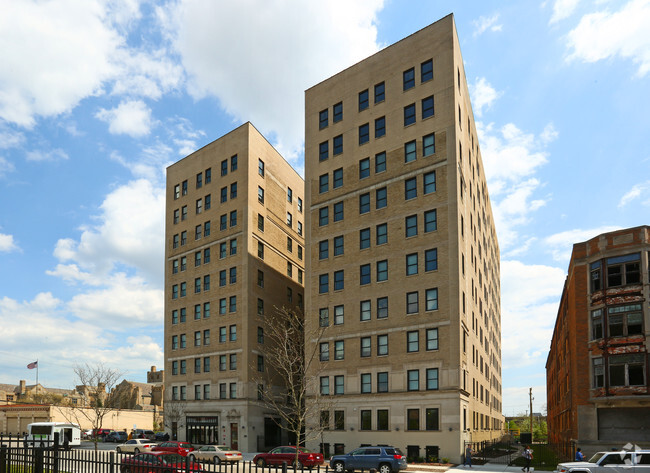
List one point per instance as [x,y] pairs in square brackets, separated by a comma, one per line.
[280,455]
[135,446]
[182,448]
[384,459]
[216,454]
[100,433]
[610,462]
[117,436]
[144,434]
[156,462]
[161,436]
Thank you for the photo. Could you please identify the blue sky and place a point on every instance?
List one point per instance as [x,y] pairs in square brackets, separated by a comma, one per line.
[97,97]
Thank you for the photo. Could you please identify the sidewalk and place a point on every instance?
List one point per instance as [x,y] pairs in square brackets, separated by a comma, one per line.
[490,467]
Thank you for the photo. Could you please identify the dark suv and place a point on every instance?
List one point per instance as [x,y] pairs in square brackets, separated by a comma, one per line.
[382,458]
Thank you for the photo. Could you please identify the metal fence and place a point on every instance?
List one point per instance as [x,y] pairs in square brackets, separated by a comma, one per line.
[507,452]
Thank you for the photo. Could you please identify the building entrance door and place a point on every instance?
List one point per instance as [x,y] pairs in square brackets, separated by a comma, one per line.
[234,435]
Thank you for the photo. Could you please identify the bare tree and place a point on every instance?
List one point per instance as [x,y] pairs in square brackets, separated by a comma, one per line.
[95,385]
[173,414]
[289,354]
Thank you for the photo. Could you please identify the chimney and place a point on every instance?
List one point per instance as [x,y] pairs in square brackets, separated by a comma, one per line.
[23,387]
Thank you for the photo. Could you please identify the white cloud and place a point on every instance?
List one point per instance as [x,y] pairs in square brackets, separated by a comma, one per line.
[49,155]
[76,49]
[563,9]
[485,23]
[637,191]
[284,55]
[131,118]
[607,33]
[5,166]
[483,95]
[7,243]
[10,138]
[560,244]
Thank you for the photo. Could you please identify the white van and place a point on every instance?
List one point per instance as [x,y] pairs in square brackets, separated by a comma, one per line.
[42,434]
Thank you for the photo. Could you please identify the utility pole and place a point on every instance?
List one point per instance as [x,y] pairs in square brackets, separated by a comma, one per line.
[530,394]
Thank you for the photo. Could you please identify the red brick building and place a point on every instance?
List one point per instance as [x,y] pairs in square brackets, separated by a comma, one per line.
[597,371]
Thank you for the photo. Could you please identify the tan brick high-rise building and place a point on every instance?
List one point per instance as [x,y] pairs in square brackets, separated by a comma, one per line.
[404,258]
[597,371]
[234,248]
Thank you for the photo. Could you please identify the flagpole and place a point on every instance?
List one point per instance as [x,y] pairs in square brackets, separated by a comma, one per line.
[36,388]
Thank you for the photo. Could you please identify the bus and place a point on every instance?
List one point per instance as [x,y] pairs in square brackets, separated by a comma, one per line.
[41,434]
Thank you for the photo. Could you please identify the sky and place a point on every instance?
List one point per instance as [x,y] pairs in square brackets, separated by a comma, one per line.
[98,97]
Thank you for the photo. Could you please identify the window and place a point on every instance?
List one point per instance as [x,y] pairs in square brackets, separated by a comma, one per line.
[233,275]
[337,178]
[260,222]
[364,238]
[325,385]
[324,351]
[299,232]
[382,307]
[175,241]
[338,211]
[197,312]
[323,151]
[338,280]
[260,195]
[233,390]
[206,310]
[223,222]
[323,120]
[233,218]
[596,278]
[622,270]
[224,167]
[366,383]
[338,314]
[339,420]
[260,363]
[431,259]
[430,221]
[380,90]
[337,145]
[323,216]
[598,370]
[364,133]
[363,100]
[339,384]
[208,202]
[206,256]
[364,311]
[260,167]
[323,283]
[365,422]
[411,264]
[183,238]
[183,367]
[183,289]
[260,306]
[338,245]
[174,317]
[409,79]
[381,199]
[222,278]
[625,320]
[299,205]
[411,225]
[233,247]
[198,232]
[339,350]
[412,419]
[232,361]
[175,266]
[224,194]
[183,315]
[233,190]
[427,107]
[177,214]
[412,303]
[222,306]
[366,347]
[380,127]
[364,168]
[177,191]
[206,229]
[382,270]
[409,114]
[432,299]
[410,151]
[382,382]
[410,188]
[382,345]
[364,203]
[206,390]
[323,249]
[413,380]
[323,183]
[260,278]
[380,162]
[232,304]
[364,274]
[174,342]
[429,182]
[323,317]
[233,163]
[596,324]
[412,341]
[338,112]
[432,339]
[197,366]
[222,363]
[432,379]
[184,187]
[208,175]
[382,233]
[426,73]
[289,219]
[431,417]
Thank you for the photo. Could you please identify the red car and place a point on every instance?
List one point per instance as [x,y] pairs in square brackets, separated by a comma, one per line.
[280,455]
[156,462]
[182,448]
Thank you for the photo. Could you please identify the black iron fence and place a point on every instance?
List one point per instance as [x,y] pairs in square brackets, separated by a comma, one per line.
[546,456]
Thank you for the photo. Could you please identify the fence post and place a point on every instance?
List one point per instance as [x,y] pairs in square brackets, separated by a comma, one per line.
[3,459]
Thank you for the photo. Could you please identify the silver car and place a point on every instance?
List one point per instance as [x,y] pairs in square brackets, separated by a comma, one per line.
[135,446]
[611,462]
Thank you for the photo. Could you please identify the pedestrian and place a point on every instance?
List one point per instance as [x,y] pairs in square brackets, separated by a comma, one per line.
[468,456]
[528,456]
[579,456]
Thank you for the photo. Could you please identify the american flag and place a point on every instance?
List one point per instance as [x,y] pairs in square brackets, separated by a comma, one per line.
[31,366]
